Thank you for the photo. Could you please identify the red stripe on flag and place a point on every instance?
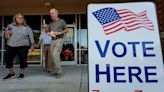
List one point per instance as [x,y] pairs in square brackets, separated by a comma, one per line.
[135,21]
[138,28]
[107,33]
[113,27]
[107,25]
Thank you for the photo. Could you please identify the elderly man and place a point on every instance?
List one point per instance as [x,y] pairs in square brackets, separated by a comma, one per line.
[58,28]
[46,39]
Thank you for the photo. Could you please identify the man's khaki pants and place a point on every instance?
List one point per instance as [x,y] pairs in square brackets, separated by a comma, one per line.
[47,55]
[56,48]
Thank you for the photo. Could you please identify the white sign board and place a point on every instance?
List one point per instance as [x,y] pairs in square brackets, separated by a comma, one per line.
[124,48]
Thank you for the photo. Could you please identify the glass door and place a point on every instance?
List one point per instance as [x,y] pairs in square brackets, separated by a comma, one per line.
[68,54]
[34,21]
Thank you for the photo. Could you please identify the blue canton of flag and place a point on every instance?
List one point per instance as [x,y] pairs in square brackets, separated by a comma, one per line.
[115,20]
[106,15]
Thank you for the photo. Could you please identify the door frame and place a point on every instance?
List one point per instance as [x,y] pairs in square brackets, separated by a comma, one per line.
[74,62]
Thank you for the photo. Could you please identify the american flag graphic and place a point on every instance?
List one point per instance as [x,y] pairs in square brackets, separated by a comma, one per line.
[115,20]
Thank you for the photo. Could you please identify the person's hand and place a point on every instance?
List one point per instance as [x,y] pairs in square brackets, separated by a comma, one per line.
[8,33]
[29,52]
[32,48]
[36,45]
[49,33]
[56,33]
[53,34]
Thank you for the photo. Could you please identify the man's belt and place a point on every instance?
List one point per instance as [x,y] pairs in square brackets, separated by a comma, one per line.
[47,44]
[55,38]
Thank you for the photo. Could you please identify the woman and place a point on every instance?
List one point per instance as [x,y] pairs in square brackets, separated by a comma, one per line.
[20,36]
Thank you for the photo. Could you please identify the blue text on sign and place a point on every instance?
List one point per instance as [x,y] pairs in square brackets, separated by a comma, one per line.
[146,46]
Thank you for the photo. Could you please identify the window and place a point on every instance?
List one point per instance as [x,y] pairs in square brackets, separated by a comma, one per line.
[83,18]
[34,21]
[7,20]
[69,18]
[47,19]
[0,38]
[82,40]
[0,22]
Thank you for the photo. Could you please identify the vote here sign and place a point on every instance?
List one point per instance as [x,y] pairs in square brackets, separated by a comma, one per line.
[124,48]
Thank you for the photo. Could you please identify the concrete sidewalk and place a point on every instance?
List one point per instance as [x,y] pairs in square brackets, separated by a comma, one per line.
[36,80]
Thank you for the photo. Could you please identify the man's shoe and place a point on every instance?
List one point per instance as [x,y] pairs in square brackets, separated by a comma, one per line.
[59,75]
[9,76]
[21,76]
[53,73]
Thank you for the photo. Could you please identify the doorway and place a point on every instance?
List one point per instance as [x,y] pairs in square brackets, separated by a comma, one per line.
[68,54]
